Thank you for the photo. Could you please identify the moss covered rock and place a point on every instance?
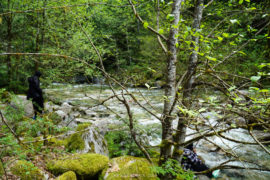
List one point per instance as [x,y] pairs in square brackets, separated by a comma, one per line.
[26,170]
[75,141]
[87,139]
[70,175]
[128,167]
[84,165]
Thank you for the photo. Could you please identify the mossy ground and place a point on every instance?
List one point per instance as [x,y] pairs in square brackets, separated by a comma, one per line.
[84,165]
[26,170]
[128,167]
[70,175]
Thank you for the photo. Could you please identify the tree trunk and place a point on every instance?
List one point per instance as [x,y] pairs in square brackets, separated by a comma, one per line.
[170,89]
[9,39]
[187,88]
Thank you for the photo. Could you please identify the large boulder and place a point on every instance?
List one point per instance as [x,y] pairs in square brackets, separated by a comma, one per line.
[128,167]
[87,139]
[26,104]
[86,166]
[26,170]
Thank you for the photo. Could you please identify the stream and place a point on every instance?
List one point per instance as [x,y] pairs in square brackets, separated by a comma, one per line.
[78,104]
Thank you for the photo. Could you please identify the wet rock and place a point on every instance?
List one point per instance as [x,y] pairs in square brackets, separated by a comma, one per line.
[65,107]
[62,114]
[128,167]
[86,166]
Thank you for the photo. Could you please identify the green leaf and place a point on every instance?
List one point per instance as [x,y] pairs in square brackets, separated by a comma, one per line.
[220,38]
[177,44]
[233,21]
[225,35]
[160,31]
[202,109]
[211,58]
[170,17]
[241,1]
[255,78]
[145,25]
[231,88]
[264,90]
[233,125]
[247,0]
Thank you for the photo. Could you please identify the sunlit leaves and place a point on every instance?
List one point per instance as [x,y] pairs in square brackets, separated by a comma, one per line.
[211,58]
[255,78]
[145,25]
[170,17]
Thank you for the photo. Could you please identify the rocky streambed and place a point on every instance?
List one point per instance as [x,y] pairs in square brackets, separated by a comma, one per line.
[78,104]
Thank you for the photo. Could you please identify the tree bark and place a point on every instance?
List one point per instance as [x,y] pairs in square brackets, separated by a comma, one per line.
[170,89]
[180,135]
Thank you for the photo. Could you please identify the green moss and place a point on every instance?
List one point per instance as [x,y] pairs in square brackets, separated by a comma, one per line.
[1,170]
[26,170]
[70,175]
[128,167]
[84,165]
[75,141]
[56,142]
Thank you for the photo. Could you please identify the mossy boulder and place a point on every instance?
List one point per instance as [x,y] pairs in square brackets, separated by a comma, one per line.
[75,141]
[85,166]
[70,175]
[87,139]
[26,170]
[128,167]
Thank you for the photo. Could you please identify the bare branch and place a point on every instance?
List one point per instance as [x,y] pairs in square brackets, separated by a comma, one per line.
[141,20]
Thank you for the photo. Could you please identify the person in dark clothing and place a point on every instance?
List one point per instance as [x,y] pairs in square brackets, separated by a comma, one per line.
[35,93]
[192,162]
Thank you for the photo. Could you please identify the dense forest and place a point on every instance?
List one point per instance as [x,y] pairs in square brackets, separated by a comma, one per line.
[129,84]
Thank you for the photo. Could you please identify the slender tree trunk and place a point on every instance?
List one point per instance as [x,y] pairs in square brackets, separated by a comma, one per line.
[9,39]
[170,89]
[180,135]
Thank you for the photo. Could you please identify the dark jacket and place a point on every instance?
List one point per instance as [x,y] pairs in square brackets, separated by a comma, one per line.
[34,91]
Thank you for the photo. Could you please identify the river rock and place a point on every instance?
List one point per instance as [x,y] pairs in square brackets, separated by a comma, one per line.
[66,107]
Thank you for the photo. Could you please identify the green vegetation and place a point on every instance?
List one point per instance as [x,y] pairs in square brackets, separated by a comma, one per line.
[26,170]
[191,49]
[120,143]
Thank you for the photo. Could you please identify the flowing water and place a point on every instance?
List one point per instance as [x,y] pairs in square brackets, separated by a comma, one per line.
[79,104]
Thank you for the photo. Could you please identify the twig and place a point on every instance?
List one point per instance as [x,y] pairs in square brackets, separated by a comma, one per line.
[141,20]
